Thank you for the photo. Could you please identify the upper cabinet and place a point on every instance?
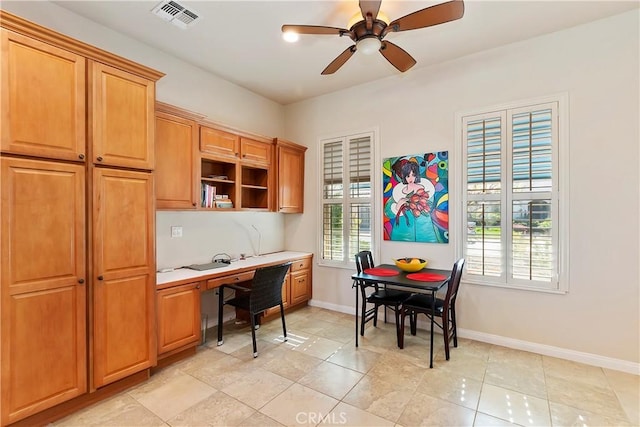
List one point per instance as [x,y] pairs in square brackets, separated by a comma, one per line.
[43,99]
[176,158]
[122,118]
[290,177]
[256,151]
[219,143]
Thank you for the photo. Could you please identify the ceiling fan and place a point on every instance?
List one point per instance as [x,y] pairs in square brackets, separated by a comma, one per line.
[368,34]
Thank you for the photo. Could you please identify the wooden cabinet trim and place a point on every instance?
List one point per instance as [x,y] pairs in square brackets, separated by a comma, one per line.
[35,31]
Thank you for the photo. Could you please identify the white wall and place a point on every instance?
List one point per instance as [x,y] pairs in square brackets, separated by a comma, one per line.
[598,65]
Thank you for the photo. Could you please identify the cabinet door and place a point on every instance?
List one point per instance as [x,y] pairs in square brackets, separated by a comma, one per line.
[176,171]
[255,151]
[178,317]
[44,89]
[218,142]
[124,339]
[300,287]
[122,118]
[43,295]
[290,180]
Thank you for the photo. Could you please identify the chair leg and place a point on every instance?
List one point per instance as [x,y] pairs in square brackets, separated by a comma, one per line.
[284,327]
[454,327]
[362,316]
[445,333]
[413,321]
[375,315]
[397,312]
[253,335]
[220,307]
[401,330]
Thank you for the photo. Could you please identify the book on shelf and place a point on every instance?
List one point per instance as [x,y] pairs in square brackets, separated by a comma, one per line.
[208,195]
[224,203]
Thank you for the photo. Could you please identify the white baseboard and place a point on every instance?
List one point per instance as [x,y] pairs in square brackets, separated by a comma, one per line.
[546,350]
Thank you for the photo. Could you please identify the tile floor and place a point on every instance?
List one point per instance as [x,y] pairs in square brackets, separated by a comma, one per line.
[319,377]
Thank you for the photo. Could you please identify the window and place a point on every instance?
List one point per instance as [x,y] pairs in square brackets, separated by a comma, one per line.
[513,232]
[346,198]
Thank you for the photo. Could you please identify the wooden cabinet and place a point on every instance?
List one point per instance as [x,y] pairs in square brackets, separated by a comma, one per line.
[296,289]
[43,292]
[255,151]
[121,118]
[42,117]
[290,177]
[124,275]
[178,311]
[77,275]
[219,143]
[176,159]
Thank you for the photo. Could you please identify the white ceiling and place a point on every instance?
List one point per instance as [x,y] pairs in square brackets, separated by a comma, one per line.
[241,42]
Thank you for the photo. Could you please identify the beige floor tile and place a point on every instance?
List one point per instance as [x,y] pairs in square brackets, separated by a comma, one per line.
[347,415]
[299,405]
[257,387]
[397,368]
[258,419]
[204,355]
[627,389]
[218,409]
[380,398]
[310,325]
[318,347]
[443,384]
[574,371]
[356,358]
[563,415]
[331,379]
[423,410]
[290,364]
[510,355]
[174,396]
[524,379]
[514,407]
[469,366]
[121,410]
[220,372]
[342,332]
[484,420]
[598,400]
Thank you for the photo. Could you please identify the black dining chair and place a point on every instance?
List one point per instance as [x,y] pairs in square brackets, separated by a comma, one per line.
[388,298]
[444,314]
[264,292]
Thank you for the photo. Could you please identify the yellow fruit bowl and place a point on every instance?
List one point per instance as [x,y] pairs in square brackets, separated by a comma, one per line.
[410,265]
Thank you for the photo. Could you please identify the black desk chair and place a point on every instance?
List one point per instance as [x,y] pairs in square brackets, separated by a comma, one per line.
[379,297]
[265,292]
[445,310]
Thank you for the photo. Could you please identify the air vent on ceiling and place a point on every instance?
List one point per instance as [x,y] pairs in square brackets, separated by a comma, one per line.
[177,14]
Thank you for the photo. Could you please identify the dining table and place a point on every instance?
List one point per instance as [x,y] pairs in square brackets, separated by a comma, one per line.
[427,281]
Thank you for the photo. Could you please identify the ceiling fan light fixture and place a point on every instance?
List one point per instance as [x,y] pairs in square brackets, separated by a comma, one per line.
[290,36]
[368,45]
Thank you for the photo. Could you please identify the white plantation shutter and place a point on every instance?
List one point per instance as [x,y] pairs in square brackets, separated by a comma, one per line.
[346,212]
[511,198]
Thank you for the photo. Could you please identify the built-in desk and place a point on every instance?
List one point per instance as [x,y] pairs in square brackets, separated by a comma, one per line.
[178,297]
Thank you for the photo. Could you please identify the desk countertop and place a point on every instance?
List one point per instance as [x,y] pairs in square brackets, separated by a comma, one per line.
[184,275]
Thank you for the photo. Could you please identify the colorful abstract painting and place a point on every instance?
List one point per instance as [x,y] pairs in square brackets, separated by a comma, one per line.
[416,198]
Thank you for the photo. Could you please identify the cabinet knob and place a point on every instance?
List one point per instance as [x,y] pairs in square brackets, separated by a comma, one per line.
[236,154]
[81,281]
[81,156]
[197,286]
[100,278]
[99,158]
[194,204]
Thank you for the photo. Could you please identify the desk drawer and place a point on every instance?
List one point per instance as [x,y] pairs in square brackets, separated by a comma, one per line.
[228,280]
[300,264]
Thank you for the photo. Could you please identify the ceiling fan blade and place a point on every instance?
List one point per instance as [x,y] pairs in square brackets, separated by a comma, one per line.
[397,56]
[339,61]
[314,29]
[433,15]
[370,6]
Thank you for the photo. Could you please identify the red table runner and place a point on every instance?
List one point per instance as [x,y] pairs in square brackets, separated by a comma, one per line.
[378,271]
[426,277]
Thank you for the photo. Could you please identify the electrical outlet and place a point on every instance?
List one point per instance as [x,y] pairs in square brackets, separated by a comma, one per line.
[176,231]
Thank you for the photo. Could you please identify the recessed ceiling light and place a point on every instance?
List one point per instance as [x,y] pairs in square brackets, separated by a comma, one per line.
[290,36]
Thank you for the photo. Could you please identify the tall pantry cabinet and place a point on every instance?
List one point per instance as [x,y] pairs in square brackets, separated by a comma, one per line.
[77,257]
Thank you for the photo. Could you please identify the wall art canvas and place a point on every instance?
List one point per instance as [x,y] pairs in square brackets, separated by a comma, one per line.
[416,198]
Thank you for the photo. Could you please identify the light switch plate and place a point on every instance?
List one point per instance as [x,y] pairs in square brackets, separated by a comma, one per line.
[176,231]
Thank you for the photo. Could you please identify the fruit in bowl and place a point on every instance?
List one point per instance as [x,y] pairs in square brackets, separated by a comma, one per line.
[410,264]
